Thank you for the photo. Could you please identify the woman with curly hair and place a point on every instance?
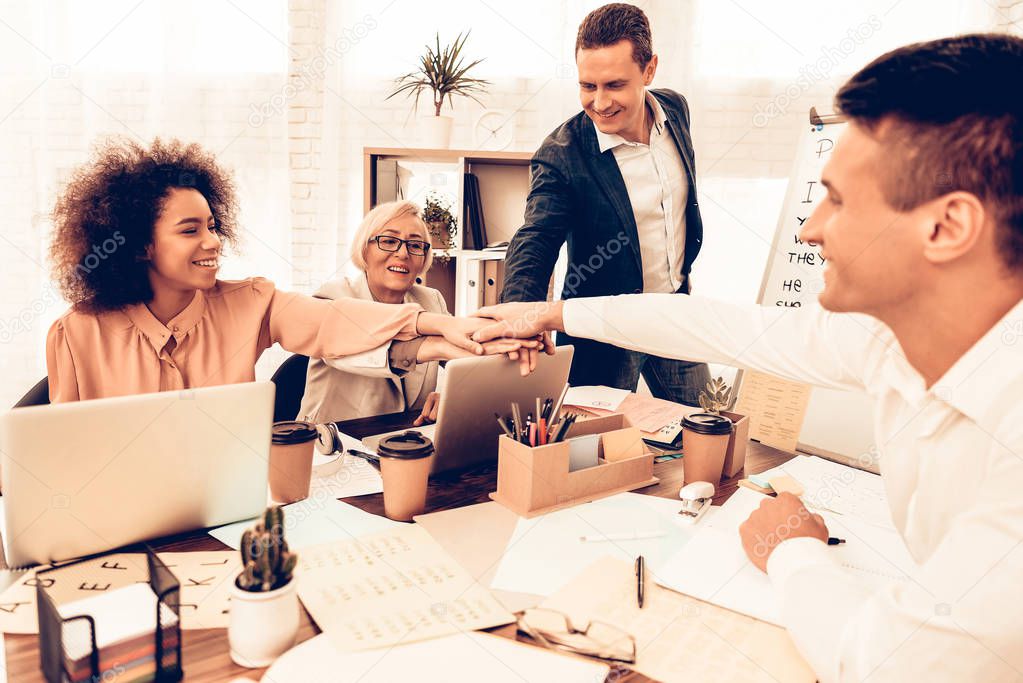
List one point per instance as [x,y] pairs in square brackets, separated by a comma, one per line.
[137,244]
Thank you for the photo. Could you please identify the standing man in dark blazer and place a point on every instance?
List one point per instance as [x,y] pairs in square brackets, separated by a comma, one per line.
[617,181]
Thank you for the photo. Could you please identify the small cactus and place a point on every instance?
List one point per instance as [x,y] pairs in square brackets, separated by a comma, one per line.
[715,398]
[265,557]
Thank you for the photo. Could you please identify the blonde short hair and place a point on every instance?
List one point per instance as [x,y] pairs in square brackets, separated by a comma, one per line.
[375,221]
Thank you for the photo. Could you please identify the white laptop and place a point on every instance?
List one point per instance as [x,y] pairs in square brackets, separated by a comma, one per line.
[466,432]
[89,476]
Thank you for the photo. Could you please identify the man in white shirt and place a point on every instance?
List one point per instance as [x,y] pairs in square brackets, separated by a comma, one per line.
[923,231]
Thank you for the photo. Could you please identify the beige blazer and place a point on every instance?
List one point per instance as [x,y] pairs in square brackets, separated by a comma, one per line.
[361,386]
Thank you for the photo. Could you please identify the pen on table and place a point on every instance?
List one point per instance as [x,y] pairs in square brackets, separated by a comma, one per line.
[835,541]
[364,455]
[637,536]
[640,580]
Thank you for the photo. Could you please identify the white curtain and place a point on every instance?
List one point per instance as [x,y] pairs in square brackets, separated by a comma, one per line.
[75,72]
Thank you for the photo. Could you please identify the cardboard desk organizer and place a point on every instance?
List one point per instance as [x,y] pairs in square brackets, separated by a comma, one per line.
[534,481]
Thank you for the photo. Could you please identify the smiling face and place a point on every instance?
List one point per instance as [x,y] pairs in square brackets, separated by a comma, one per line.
[185,251]
[875,254]
[612,89]
[392,274]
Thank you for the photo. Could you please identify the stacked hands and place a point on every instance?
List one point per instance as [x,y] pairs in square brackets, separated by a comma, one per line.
[448,337]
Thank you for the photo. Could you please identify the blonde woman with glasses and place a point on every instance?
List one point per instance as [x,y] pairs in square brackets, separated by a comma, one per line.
[391,249]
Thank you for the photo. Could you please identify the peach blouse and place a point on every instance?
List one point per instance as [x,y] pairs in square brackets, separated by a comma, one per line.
[217,339]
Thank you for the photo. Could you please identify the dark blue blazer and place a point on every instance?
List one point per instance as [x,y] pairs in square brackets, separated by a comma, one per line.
[577,195]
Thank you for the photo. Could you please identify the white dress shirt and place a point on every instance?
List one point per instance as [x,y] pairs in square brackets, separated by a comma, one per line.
[658,189]
[951,458]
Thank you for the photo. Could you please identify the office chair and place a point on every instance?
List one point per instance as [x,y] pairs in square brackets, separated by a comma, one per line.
[39,395]
[290,381]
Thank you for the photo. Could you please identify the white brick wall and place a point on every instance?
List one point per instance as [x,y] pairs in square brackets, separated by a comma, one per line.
[1009,15]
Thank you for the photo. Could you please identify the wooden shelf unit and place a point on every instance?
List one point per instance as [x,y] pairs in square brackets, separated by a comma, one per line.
[401,173]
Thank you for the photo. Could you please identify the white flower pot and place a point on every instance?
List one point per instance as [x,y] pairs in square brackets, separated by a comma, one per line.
[435,131]
[263,625]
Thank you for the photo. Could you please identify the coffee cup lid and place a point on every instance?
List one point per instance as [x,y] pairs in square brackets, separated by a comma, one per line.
[408,445]
[292,432]
[707,423]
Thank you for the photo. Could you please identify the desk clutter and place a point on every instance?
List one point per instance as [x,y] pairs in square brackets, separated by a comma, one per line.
[205,578]
[557,551]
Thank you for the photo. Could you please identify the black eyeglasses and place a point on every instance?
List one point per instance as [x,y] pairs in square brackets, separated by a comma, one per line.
[391,244]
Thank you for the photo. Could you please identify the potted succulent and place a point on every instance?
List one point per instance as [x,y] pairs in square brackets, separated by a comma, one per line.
[443,72]
[717,400]
[264,604]
[440,223]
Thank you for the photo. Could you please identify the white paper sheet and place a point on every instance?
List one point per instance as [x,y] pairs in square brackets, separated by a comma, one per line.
[391,588]
[463,658]
[342,475]
[315,520]
[205,579]
[838,488]
[348,476]
[713,566]
[680,639]
[546,552]
[598,397]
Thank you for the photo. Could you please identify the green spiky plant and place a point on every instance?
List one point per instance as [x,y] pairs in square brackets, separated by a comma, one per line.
[441,70]
[716,397]
[267,563]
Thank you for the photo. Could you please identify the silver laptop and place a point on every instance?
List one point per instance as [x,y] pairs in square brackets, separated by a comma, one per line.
[89,476]
[474,389]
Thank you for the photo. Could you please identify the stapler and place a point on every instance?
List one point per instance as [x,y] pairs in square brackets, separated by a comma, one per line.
[696,500]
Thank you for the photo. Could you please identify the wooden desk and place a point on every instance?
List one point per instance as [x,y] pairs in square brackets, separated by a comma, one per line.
[205,653]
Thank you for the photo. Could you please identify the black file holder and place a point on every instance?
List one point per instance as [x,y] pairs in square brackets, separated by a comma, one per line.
[167,589]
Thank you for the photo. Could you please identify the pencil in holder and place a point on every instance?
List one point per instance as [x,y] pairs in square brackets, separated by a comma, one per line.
[536,480]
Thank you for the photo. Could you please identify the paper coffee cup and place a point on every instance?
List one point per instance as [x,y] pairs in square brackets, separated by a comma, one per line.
[405,463]
[291,460]
[704,445]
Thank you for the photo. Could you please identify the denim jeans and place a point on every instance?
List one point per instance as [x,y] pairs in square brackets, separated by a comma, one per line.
[680,381]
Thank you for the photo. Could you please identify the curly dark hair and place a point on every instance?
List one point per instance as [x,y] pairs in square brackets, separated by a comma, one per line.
[104,219]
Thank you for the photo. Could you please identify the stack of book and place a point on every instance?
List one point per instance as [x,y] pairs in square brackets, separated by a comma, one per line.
[475,225]
[125,624]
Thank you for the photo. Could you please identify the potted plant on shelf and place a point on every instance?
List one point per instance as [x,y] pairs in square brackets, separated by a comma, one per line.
[441,225]
[264,604]
[718,400]
[443,72]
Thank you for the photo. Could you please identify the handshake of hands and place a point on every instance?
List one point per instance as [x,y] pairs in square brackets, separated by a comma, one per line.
[519,330]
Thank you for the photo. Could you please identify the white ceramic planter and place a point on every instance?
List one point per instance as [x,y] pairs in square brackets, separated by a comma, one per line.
[263,625]
[435,131]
